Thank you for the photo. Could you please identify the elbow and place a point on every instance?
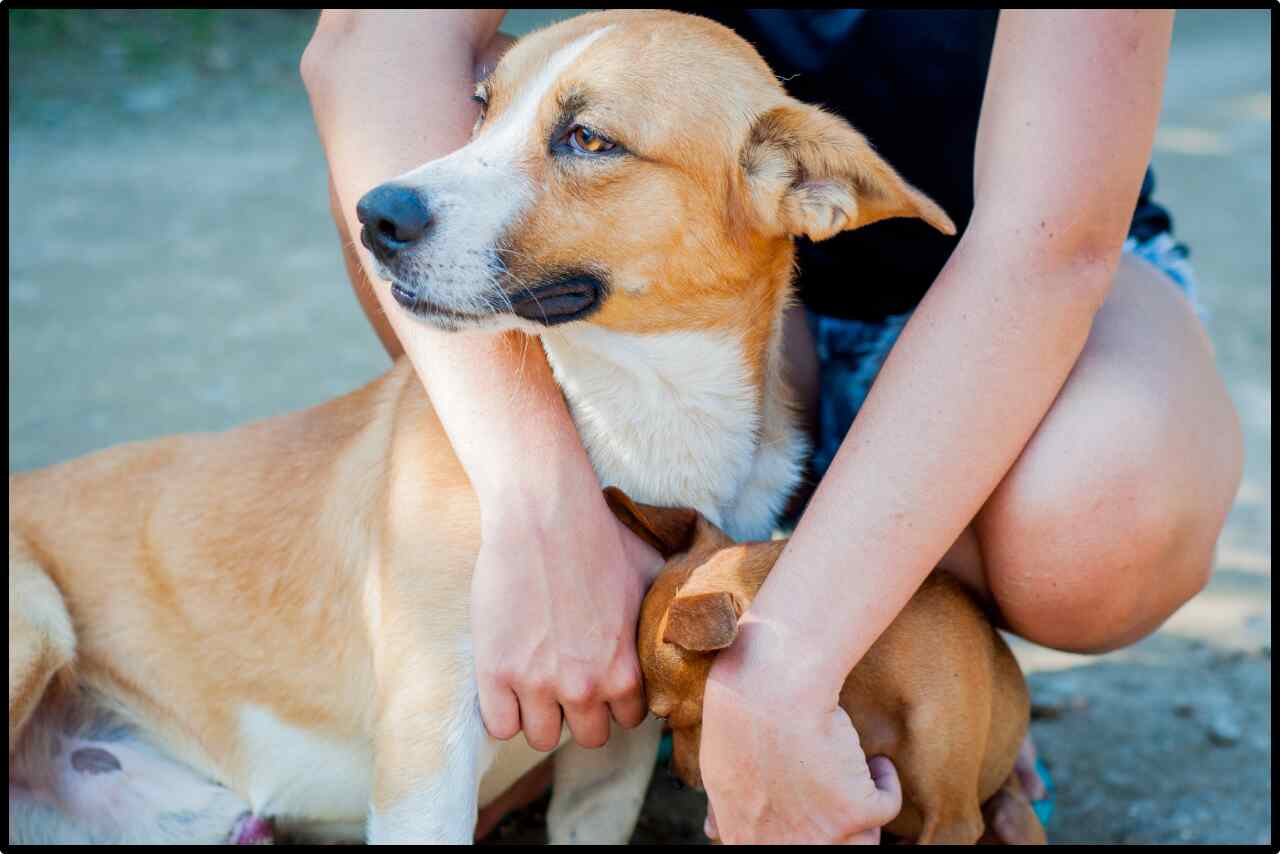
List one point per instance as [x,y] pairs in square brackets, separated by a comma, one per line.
[309,65]
[1077,258]
[332,32]
[1089,240]
[1088,260]
[345,40]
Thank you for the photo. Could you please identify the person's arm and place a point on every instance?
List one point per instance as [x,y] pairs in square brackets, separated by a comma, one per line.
[1067,125]
[391,91]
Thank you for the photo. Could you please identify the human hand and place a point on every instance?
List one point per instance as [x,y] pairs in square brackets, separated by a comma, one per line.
[554,602]
[778,769]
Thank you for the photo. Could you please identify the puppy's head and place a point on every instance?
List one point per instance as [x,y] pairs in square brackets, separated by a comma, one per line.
[689,613]
[639,170]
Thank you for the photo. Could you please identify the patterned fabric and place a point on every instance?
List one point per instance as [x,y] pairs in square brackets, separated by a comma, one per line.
[851,352]
[1171,258]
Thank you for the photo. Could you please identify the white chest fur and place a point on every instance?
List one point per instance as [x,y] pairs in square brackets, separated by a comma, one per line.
[674,420]
[294,772]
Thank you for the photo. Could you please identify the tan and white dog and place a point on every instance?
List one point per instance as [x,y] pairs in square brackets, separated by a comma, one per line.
[272,622]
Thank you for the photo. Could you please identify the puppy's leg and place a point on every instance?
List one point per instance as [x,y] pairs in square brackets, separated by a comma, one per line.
[940,775]
[598,794]
[41,638]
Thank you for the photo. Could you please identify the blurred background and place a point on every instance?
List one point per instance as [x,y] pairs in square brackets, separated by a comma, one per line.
[173,267]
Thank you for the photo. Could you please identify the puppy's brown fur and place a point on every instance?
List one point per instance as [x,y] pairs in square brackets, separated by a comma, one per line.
[939,692]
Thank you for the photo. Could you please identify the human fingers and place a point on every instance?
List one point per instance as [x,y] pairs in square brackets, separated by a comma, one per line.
[540,718]
[499,708]
[886,801]
[586,713]
[625,696]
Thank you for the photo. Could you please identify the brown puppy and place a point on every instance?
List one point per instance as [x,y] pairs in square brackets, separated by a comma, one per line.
[939,693]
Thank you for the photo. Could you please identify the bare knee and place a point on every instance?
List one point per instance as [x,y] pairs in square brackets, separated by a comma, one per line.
[1092,557]
[1110,603]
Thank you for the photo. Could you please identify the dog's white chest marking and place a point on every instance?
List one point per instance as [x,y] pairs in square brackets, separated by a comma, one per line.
[294,772]
[673,419]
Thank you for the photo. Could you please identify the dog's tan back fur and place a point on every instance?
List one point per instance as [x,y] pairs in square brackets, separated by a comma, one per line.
[200,560]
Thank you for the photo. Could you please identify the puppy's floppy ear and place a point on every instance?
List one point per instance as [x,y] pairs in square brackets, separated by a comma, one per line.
[809,173]
[702,622]
[669,530]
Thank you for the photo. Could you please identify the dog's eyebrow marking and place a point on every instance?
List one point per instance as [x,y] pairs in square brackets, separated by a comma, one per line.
[520,117]
[568,107]
[573,102]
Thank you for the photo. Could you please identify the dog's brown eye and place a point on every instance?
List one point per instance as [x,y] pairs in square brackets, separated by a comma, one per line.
[481,97]
[588,141]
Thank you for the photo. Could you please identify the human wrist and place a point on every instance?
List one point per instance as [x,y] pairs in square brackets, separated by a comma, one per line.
[530,515]
[552,485]
[545,496]
[778,665]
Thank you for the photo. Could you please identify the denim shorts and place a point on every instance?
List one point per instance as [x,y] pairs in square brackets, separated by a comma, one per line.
[850,352]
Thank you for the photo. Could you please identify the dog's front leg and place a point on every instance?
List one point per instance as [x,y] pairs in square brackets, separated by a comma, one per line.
[430,751]
[598,793]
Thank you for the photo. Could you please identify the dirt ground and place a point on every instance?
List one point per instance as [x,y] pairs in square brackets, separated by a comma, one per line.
[173,267]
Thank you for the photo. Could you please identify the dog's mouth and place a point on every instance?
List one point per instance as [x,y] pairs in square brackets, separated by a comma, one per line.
[569,298]
[417,304]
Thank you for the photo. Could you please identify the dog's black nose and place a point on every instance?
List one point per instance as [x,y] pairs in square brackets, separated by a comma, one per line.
[393,217]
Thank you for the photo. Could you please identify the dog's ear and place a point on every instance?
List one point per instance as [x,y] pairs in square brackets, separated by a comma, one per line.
[669,530]
[703,622]
[809,173]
